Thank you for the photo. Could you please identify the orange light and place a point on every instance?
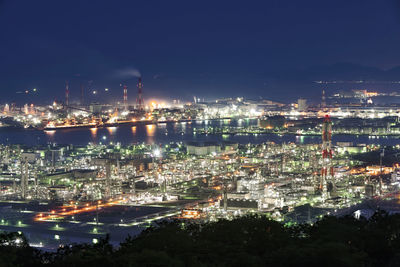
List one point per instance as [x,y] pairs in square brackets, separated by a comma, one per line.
[87,208]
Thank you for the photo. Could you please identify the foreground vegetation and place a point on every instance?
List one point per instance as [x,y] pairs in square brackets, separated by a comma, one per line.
[246,241]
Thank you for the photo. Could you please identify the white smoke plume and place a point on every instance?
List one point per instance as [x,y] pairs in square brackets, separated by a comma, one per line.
[127,73]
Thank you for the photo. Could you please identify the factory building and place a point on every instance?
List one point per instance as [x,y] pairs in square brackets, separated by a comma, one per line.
[302,104]
[202,149]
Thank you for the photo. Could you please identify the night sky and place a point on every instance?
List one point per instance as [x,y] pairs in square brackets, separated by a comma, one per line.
[269,49]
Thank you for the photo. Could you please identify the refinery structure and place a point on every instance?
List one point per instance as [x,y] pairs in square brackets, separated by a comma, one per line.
[62,193]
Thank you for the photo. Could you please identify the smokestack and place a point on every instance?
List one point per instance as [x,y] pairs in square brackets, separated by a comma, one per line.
[66,93]
[139,100]
[82,95]
[125,97]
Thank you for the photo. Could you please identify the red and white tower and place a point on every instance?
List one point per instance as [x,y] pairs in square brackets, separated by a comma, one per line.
[125,97]
[327,168]
[139,99]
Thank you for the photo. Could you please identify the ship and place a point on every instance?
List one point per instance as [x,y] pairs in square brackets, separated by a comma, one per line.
[72,124]
[52,126]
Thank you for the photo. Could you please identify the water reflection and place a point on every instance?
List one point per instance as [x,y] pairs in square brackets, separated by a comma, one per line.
[150,129]
[49,135]
[150,133]
[165,133]
[133,129]
[111,130]
[300,139]
[93,131]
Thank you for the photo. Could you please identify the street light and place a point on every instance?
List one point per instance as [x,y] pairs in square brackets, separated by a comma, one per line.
[157,153]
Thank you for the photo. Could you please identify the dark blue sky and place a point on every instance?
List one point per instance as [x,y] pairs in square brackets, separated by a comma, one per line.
[273,49]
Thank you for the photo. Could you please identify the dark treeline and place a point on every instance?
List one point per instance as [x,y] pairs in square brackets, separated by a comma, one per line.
[245,241]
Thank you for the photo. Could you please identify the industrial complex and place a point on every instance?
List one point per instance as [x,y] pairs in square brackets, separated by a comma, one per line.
[63,193]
